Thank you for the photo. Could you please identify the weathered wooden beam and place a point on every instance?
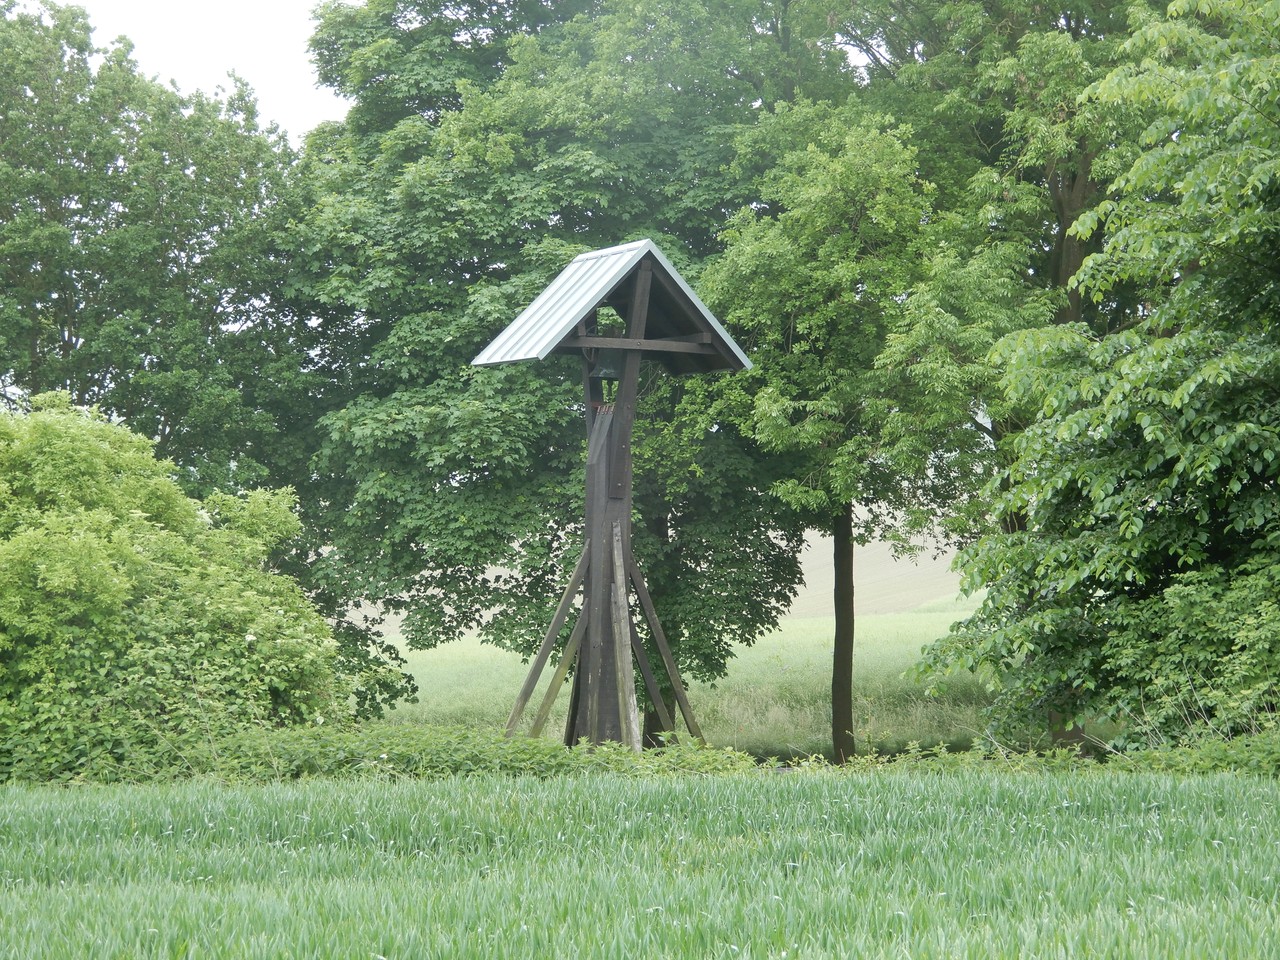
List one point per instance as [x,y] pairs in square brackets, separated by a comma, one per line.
[628,711]
[597,662]
[624,406]
[665,345]
[540,661]
[592,389]
[651,685]
[660,638]
[557,678]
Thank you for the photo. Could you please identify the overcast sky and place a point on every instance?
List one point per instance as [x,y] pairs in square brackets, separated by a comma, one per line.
[197,42]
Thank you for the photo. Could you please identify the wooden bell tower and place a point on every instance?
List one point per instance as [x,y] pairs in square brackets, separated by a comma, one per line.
[664,321]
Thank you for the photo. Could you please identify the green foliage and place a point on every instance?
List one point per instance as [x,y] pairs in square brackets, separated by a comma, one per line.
[813,272]
[1140,585]
[992,91]
[148,267]
[1255,754]
[1201,198]
[140,264]
[135,623]
[1139,579]
[457,187]
[812,275]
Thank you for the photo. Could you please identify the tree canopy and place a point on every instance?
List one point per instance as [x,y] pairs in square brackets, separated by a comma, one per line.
[813,274]
[1141,583]
[453,492]
[1005,269]
[140,257]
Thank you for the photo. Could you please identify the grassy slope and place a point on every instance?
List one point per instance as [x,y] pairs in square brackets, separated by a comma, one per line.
[886,864]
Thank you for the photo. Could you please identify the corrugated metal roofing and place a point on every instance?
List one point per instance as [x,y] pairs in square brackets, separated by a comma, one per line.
[587,282]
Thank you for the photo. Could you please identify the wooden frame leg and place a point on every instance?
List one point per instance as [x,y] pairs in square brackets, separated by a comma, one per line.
[669,661]
[540,661]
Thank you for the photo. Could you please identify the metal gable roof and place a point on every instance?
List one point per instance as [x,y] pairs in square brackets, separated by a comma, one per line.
[587,282]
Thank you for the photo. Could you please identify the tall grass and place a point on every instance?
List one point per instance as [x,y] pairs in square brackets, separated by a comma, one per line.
[775,700]
[885,864]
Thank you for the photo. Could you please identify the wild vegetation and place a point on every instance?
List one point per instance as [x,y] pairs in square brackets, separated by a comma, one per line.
[139,626]
[1134,571]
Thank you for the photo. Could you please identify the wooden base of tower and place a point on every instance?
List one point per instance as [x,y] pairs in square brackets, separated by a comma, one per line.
[604,645]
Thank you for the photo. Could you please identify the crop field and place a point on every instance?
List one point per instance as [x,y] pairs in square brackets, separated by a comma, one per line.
[806,864]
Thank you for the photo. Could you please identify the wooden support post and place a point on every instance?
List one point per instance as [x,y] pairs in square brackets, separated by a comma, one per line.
[628,711]
[687,339]
[650,681]
[557,679]
[540,661]
[590,386]
[660,638]
[625,407]
[604,641]
[595,683]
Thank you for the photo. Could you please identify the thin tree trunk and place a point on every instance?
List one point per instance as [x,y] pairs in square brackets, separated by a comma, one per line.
[842,648]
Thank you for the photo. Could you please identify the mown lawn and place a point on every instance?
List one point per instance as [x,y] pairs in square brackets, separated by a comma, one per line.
[888,863]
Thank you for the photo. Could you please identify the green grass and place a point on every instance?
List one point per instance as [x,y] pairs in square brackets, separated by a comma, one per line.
[875,864]
[775,701]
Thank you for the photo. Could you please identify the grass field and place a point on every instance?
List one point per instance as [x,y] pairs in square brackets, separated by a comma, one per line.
[776,698]
[882,864]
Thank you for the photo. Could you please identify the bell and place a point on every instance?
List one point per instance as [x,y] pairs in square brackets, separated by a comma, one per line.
[608,365]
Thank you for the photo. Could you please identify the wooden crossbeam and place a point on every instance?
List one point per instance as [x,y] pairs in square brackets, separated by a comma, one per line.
[664,345]
[660,638]
[650,681]
[557,678]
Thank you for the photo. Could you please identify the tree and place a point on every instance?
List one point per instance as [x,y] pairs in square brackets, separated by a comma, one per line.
[454,493]
[145,268]
[815,272]
[1141,586]
[138,626]
[140,255]
[992,90]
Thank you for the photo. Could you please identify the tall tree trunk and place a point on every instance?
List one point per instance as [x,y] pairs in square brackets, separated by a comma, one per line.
[842,648]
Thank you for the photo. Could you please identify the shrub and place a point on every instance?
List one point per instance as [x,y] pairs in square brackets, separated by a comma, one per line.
[1256,754]
[135,623]
[374,750]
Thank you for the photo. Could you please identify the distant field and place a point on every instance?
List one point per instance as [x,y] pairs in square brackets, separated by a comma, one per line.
[888,864]
[884,583]
[776,699]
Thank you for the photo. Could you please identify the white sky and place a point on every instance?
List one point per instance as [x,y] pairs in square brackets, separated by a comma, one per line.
[196,43]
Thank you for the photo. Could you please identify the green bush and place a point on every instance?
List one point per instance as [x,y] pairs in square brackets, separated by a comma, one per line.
[1257,754]
[137,624]
[393,750]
